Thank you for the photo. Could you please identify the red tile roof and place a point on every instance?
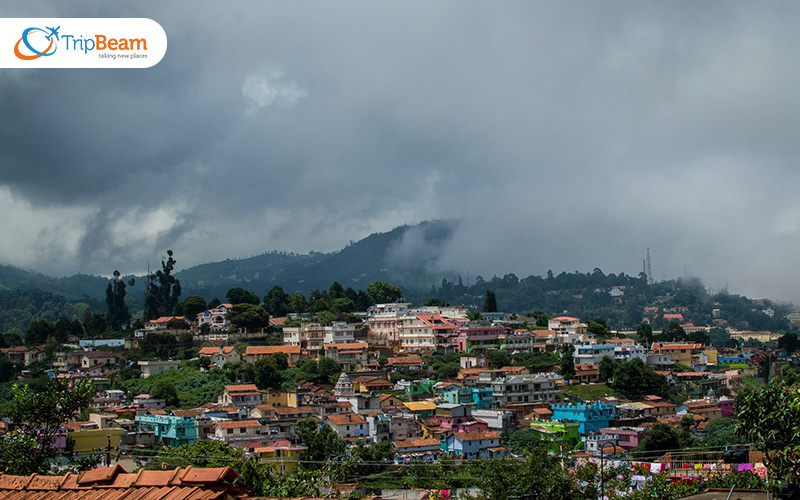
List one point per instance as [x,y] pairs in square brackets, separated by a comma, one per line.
[417,443]
[114,482]
[477,436]
[347,419]
[237,389]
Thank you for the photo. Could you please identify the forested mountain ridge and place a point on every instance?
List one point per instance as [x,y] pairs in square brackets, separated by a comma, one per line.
[406,256]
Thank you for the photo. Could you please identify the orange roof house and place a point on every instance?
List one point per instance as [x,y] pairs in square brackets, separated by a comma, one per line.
[114,482]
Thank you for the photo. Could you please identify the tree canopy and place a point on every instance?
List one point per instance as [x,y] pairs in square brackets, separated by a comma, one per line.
[163,290]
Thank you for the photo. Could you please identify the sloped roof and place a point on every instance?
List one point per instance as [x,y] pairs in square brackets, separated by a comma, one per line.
[347,419]
[477,436]
[241,388]
[114,482]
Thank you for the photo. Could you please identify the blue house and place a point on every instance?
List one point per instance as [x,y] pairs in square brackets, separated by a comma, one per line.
[481,397]
[591,417]
[169,429]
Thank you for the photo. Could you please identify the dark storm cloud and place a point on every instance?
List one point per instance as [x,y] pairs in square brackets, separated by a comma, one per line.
[565,136]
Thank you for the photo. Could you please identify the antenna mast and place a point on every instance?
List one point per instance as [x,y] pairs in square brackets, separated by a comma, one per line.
[649,268]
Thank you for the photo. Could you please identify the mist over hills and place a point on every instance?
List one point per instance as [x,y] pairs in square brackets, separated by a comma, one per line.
[409,256]
[406,255]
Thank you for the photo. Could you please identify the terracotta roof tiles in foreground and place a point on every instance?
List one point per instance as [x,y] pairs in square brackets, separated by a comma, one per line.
[114,482]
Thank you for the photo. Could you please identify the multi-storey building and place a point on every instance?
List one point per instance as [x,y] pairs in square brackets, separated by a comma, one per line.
[215,318]
[428,333]
[540,387]
[339,333]
[170,430]
[309,337]
[384,322]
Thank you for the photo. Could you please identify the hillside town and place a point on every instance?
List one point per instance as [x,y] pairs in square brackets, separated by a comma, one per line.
[427,385]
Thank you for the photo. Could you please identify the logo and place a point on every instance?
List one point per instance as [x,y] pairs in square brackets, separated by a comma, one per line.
[81,43]
[50,35]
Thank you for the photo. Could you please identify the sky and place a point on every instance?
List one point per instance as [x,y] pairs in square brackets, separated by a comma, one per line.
[564,135]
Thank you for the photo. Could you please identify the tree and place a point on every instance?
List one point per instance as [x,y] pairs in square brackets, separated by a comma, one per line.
[165,389]
[523,440]
[674,332]
[606,369]
[191,306]
[37,416]
[276,302]
[770,418]
[644,333]
[321,440]
[789,342]
[542,319]
[721,432]
[567,361]
[490,302]
[163,290]
[238,295]
[539,475]
[329,369]
[266,374]
[118,315]
[381,292]
[789,374]
[39,332]
[248,317]
[298,303]
[178,324]
[659,438]
[635,379]
[434,302]
[326,317]
[474,315]
[95,324]
[371,459]
[598,327]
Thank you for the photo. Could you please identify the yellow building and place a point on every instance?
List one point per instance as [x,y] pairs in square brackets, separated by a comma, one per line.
[89,441]
[682,353]
[712,356]
[277,397]
[281,458]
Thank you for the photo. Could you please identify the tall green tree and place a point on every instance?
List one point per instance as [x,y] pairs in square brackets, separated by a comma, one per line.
[644,334]
[606,369]
[276,302]
[567,361]
[163,290]
[490,302]
[118,315]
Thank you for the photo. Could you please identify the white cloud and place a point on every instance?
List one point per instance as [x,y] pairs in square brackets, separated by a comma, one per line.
[265,89]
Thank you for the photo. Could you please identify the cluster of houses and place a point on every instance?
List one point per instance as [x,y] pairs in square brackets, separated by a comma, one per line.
[463,417]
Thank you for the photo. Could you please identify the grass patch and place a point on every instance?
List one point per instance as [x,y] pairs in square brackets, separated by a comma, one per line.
[591,391]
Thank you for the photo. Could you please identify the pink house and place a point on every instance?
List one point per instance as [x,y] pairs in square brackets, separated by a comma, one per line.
[471,426]
[628,437]
[144,401]
[726,407]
